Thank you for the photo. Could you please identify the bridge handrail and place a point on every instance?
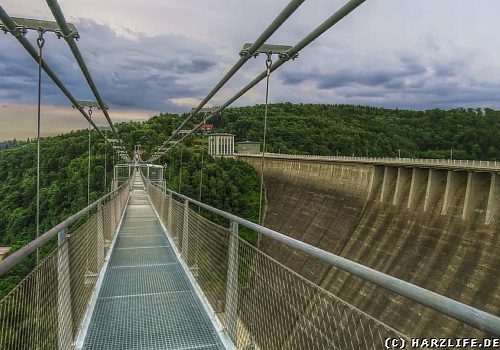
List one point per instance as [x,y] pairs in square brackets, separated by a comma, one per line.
[465,313]
[16,257]
[490,164]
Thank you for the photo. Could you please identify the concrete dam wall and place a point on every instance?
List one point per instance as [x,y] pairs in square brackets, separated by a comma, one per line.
[437,228]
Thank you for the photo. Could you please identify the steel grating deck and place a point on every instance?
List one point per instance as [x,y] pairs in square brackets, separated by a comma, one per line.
[146,300]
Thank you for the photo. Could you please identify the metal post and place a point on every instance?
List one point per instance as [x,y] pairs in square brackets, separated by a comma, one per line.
[165,198]
[169,214]
[231,312]
[162,204]
[105,167]
[100,235]
[64,317]
[129,182]
[185,232]
[114,182]
[113,213]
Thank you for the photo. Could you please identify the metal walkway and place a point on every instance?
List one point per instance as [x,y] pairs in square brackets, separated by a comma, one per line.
[146,300]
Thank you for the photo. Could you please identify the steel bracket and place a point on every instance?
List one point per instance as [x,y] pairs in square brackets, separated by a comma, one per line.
[23,25]
[91,104]
[280,50]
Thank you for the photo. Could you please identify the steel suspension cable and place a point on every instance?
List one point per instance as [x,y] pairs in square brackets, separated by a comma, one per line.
[169,168]
[40,43]
[105,166]
[67,34]
[180,173]
[269,63]
[197,241]
[201,175]
[266,34]
[12,28]
[88,168]
[321,29]
[113,164]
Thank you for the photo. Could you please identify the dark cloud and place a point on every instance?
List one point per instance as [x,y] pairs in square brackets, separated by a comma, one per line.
[360,76]
[413,69]
[408,81]
[140,73]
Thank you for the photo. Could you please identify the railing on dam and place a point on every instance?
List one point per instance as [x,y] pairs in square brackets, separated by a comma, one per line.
[264,304]
[45,310]
[417,162]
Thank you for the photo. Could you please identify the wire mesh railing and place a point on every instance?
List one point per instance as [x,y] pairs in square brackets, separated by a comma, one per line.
[45,310]
[261,303]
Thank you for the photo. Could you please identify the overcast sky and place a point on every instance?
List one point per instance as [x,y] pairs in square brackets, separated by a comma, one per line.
[160,55]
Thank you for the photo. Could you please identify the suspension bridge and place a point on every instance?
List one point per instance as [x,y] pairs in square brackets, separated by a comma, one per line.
[143,268]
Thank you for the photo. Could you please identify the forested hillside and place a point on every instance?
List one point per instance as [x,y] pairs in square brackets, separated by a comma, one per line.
[227,184]
[11,144]
[369,131]
[63,189]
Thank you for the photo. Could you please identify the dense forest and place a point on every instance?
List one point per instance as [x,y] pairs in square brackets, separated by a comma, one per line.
[11,144]
[368,131]
[227,184]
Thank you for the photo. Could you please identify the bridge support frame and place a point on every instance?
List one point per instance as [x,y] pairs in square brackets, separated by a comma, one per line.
[64,314]
[231,310]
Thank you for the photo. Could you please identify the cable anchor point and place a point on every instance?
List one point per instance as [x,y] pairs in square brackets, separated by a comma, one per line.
[269,62]
[40,41]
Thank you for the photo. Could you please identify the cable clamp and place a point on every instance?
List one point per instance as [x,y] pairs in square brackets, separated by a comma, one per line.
[72,34]
[285,56]
[16,31]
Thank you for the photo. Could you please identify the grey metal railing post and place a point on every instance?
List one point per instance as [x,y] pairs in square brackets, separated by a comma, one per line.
[185,232]
[164,198]
[231,311]
[169,213]
[161,208]
[64,315]
[115,213]
[112,215]
[100,235]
